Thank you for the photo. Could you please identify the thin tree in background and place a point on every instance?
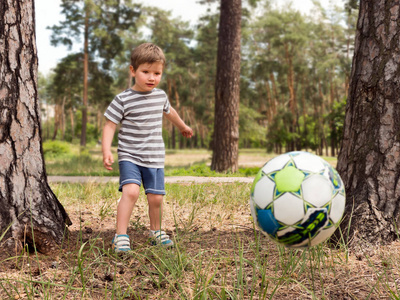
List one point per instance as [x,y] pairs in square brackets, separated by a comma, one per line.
[29,211]
[85,72]
[369,160]
[225,143]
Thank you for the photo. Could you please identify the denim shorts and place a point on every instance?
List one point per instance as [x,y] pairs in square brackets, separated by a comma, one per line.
[152,178]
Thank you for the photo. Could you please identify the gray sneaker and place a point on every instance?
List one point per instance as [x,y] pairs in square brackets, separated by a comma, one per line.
[120,243]
[159,237]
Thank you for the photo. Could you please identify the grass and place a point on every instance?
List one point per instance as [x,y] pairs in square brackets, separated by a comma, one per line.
[219,255]
[189,162]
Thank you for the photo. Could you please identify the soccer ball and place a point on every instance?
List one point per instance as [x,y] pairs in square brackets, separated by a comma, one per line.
[297,199]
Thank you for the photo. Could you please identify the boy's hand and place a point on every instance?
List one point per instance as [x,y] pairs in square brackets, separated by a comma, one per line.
[108,160]
[108,133]
[187,132]
[177,121]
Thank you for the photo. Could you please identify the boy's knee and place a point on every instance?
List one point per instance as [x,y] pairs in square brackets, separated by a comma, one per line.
[131,191]
[155,199]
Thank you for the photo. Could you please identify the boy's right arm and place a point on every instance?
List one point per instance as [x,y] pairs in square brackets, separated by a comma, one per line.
[108,135]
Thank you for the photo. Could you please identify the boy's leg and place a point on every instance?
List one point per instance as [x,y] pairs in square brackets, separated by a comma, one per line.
[130,180]
[153,183]
[155,210]
[157,235]
[130,194]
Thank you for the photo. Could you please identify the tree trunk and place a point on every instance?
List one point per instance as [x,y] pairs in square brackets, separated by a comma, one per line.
[62,117]
[56,121]
[85,76]
[171,131]
[369,159]
[290,79]
[271,102]
[26,200]
[173,137]
[178,109]
[71,115]
[292,95]
[227,93]
[320,119]
[275,93]
[47,121]
[331,122]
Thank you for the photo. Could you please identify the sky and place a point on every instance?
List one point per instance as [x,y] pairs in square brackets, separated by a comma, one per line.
[48,14]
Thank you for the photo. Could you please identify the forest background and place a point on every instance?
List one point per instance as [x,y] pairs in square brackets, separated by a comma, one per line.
[287,57]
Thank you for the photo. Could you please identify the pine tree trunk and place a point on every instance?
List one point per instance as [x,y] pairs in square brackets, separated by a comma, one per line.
[173,138]
[270,110]
[26,200]
[71,115]
[227,93]
[56,121]
[275,94]
[62,117]
[369,160]
[85,77]
[331,122]
[292,96]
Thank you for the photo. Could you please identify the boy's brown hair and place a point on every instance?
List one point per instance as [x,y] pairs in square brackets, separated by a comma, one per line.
[146,53]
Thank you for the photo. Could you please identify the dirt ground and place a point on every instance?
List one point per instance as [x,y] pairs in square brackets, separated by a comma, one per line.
[216,249]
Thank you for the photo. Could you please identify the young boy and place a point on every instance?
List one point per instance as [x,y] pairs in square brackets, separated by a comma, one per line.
[141,149]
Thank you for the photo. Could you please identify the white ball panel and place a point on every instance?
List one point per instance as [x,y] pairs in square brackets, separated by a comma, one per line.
[317,190]
[337,208]
[263,192]
[288,209]
[282,232]
[322,236]
[276,163]
[309,162]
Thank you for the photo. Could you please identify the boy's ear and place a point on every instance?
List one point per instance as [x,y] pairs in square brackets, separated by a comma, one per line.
[132,70]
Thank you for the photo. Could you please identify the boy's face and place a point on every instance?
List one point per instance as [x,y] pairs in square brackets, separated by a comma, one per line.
[147,76]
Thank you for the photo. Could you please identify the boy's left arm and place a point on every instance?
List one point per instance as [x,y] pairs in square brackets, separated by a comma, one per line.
[175,119]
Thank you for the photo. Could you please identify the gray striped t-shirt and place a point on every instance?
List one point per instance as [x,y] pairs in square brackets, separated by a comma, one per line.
[140,136]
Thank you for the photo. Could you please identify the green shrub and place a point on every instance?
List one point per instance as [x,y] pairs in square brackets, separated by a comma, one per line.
[56,148]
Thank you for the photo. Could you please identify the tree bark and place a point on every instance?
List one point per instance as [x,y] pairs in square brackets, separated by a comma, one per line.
[275,94]
[85,76]
[369,159]
[271,104]
[331,122]
[56,120]
[71,115]
[227,93]
[62,116]
[26,201]
[292,96]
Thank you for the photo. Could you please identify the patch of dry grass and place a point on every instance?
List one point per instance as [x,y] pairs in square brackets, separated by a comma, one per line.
[219,255]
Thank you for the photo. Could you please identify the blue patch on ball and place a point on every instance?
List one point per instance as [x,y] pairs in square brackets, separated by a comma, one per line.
[267,221]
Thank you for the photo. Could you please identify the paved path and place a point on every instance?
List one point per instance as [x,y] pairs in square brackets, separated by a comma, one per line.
[168,179]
